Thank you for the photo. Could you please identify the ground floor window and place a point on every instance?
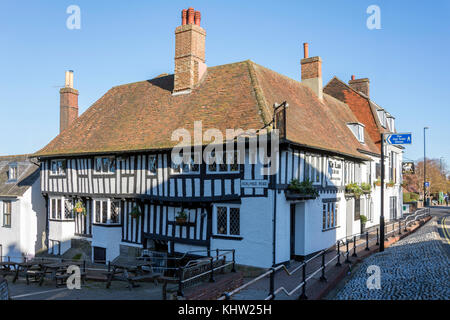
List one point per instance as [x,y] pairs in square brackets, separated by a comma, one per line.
[7,214]
[107,211]
[393,207]
[61,209]
[330,215]
[54,247]
[227,220]
[369,209]
[357,209]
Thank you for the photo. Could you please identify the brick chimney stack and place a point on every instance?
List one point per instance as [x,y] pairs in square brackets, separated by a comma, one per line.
[360,85]
[68,106]
[189,52]
[312,72]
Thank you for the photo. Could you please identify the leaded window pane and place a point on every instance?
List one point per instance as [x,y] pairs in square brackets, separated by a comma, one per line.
[221,220]
[58,208]
[68,209]
[324,219]
[97,211]
[104,211]
[98,164]
[152,164]
[234,221]
[115,211]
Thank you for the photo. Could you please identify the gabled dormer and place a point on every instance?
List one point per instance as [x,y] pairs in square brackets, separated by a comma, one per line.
[13,172]
[357,130]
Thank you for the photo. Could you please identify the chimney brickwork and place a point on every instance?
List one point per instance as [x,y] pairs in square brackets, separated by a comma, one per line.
[68,106]
[312,72]
[189,51]
[360,85]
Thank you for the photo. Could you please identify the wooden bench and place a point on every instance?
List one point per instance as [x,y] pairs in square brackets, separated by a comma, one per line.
[62,279]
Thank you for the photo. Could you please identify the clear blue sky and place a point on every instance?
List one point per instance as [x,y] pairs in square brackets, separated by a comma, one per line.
[407,61]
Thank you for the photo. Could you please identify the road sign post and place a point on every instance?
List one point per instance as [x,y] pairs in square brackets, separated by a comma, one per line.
[394,139]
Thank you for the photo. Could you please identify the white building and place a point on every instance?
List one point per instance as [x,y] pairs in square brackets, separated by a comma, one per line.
[22,208]
[115,159]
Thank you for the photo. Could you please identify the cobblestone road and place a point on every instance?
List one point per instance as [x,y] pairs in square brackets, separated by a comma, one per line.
[416,267]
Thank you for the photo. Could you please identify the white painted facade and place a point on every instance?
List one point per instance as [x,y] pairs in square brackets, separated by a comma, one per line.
[26,235]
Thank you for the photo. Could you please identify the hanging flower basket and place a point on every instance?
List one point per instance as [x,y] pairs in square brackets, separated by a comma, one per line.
[181,217]
[377,183]
[135,212]
[390,184]
[79,208]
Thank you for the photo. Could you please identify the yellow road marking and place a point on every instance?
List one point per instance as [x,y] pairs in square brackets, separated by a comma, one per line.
[445,231]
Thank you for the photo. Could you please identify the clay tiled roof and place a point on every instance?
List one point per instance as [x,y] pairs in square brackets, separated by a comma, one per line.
[143,115]
[27,173]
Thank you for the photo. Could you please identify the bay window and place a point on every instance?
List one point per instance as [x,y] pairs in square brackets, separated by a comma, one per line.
[107,211]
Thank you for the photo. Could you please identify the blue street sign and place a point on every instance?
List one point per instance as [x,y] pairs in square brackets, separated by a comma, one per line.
[427,184]
[399,138]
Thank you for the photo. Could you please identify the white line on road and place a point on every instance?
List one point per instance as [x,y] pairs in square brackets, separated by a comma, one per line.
[36,293]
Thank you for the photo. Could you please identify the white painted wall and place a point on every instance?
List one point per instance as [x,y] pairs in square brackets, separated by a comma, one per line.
[109,238]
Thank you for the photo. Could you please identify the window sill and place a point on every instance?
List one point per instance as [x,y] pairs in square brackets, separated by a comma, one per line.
[329,229]
[61,220]
[226,237]
[7,227]
[107,225]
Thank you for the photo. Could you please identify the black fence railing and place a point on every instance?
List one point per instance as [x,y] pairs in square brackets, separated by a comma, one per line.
[350,244]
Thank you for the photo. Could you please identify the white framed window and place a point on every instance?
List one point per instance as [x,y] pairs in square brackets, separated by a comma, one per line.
[152,165]
[185,168]
[107,211]
[61,208]
[357,130]
[12,172]
[330,215]
[104,165]
[227,220]
[58,167]
[7,209]
[226,162]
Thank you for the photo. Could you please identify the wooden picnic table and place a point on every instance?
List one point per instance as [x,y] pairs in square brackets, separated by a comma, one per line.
[31,268]
[58,271]
[131,271]
[6,267]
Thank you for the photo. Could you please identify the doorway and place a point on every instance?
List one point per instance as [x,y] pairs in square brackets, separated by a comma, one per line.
[99,255]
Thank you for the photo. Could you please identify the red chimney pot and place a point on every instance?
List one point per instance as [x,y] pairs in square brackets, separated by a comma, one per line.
[184,17]
[353,77]
[305,50]
[198,18]
[191,13]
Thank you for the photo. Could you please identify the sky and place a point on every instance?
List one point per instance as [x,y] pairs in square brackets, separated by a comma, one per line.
[406,60]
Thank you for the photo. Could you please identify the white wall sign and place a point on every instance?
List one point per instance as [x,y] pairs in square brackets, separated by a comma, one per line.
[254,183]
[334,169]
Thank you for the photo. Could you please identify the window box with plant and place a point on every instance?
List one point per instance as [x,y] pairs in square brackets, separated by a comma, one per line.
[135,212]
[366,187]
[301,190]
[377,183]
[181,217]
[79,208]
[390,184]
[353,190]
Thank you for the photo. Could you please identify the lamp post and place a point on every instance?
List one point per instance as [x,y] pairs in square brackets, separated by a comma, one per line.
[424,167]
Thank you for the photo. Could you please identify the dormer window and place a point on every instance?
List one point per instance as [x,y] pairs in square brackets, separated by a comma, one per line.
[391,123]
[358,130]
[12,172]
[382,117]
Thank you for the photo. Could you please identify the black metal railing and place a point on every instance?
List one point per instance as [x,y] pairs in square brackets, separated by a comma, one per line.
[343,242]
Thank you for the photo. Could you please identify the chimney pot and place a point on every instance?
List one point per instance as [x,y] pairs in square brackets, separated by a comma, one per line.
[305,50]
[353,77]
[68,107]
[184,17]
[198,18]
[191,15]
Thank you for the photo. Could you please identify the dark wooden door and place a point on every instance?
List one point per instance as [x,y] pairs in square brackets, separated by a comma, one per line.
[292,231]
[99,255]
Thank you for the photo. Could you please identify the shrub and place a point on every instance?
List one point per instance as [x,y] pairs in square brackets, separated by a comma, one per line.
[354,188]
[305,187]
[363,219]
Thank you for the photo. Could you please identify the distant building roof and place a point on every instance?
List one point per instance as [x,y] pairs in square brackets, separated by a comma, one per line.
[27,174]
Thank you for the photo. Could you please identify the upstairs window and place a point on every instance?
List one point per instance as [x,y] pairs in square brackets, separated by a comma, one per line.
[12,172]
[105,165]
[152,164]
[7,214]
[225,162]
[358,131]
[382,117]
[181,167]
[391,123]
[58,167]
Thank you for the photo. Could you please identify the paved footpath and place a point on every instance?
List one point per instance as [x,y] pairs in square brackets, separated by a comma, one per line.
[414,268]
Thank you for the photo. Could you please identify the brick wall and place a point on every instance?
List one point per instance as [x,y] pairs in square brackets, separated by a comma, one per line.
[68,108]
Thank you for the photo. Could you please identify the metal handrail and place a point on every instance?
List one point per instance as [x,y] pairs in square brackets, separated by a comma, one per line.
[272,271]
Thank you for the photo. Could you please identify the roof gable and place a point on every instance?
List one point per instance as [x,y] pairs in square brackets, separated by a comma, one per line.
[27,172]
